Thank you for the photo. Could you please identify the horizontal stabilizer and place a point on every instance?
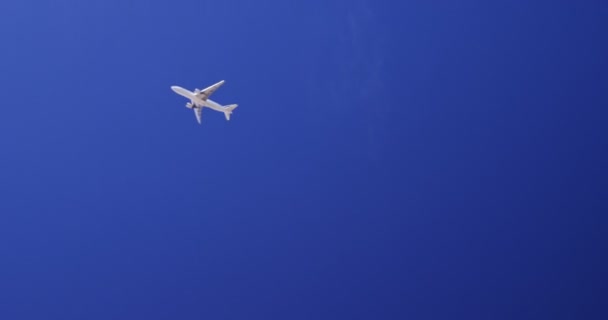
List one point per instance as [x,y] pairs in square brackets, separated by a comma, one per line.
[228,110]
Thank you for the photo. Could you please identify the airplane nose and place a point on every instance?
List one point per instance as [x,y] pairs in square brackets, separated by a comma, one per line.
[181,91]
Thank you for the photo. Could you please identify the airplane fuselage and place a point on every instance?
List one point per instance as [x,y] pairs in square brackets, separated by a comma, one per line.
[196,101]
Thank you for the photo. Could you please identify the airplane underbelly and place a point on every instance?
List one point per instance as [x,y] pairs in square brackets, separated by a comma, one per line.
[197,101]
[213,105]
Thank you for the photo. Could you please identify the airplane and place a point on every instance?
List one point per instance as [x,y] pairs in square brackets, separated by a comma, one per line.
[200,99]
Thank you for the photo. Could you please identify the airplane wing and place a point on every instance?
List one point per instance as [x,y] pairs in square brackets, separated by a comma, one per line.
[206,93]
[198,112]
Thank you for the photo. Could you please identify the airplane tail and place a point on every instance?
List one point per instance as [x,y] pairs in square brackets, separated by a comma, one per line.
[228,110]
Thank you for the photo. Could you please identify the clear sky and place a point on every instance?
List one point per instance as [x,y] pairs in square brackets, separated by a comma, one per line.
[388,160]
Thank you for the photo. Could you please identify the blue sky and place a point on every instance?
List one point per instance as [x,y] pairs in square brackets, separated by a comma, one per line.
[388,160]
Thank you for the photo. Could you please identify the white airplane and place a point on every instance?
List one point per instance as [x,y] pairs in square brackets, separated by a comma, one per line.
[200,99]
